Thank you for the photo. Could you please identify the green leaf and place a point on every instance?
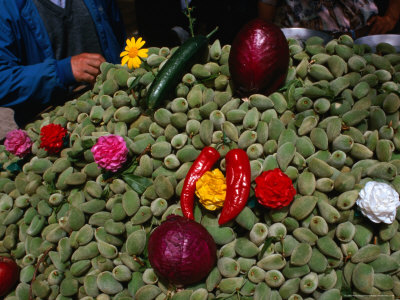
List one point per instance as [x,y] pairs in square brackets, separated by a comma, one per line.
[14,167]
[291,101]
[107,175]
[146,263]
[66,141]
[137,183]
[86,144]
[131,168]
[105,193]
[51,187]
[267,243]
[73,160]
[223,296]
[295,82]
[346,292]
[252,202]
[75,155]
[134,83]
[211,77]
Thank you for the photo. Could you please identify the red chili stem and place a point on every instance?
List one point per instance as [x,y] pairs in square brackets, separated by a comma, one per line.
[238,182]
[206,159]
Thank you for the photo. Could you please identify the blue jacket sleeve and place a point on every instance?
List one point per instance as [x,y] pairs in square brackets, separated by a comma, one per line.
[117,22]
[23,81]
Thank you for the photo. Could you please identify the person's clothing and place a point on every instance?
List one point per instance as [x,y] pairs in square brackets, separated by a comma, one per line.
[64,27]
[325,15]
[60,3]
[31,76]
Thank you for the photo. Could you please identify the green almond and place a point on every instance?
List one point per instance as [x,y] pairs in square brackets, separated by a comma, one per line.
[363,277]
[366,254]
[301,207]
[328,247]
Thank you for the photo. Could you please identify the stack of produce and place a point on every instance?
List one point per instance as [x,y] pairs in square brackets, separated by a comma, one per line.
[79,231]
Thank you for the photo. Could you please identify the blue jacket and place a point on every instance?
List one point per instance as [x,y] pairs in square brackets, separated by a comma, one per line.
[29,73]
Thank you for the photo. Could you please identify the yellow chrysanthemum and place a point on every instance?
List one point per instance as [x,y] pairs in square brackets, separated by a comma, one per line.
[211,189]
[132,53]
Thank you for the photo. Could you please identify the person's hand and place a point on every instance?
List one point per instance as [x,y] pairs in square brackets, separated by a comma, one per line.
[380,25]
[86,66]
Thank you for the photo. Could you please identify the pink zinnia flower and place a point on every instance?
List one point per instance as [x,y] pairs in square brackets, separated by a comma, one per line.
[18,142]
[110,152]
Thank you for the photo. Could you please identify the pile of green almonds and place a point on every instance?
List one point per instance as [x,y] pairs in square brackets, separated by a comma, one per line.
[331,128]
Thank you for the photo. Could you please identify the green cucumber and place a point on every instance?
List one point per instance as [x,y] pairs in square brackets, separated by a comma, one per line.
[189,53]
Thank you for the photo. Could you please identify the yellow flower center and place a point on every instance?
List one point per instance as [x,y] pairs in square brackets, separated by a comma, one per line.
[133,52]
[211,189]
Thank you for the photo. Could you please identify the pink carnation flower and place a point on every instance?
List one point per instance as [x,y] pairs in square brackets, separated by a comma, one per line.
[110,152]
[18,142]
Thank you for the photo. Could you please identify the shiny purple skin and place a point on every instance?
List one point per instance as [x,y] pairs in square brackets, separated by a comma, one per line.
[259,58]
[181,251]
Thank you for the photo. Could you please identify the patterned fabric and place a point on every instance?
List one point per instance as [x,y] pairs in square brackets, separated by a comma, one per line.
[60,3]
[326,15]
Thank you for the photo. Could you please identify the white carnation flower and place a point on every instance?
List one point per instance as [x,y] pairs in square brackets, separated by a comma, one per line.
[378,201]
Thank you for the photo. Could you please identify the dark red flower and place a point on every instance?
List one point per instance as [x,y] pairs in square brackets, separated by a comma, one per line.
[274,189]
[52,137]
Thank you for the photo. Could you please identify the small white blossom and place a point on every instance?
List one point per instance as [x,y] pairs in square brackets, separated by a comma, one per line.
[378,201]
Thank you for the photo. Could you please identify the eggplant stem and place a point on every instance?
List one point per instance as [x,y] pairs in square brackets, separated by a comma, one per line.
[212,32]
[189,16]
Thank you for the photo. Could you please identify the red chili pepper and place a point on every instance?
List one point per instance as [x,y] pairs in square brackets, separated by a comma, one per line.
[206,159]
[238,181]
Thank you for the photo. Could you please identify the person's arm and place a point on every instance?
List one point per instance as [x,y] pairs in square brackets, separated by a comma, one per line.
[38,83]
[21,82]
[380,25]
[267,10]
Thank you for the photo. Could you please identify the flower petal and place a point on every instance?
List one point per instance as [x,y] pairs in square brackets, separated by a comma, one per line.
[123,53]
[143,52]
[129,43]
[110,152]
[136,62]
[138,41]
[140,44]
[130,63]
[124,60]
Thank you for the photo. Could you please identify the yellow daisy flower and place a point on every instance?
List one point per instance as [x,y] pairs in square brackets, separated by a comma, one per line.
[132,53]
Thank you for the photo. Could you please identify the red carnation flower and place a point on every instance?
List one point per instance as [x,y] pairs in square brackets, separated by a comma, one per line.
[274,189]
[52,137]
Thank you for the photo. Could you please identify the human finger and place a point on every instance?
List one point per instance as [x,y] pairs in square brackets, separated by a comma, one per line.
[87,77]
[92,70]
[95,60]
